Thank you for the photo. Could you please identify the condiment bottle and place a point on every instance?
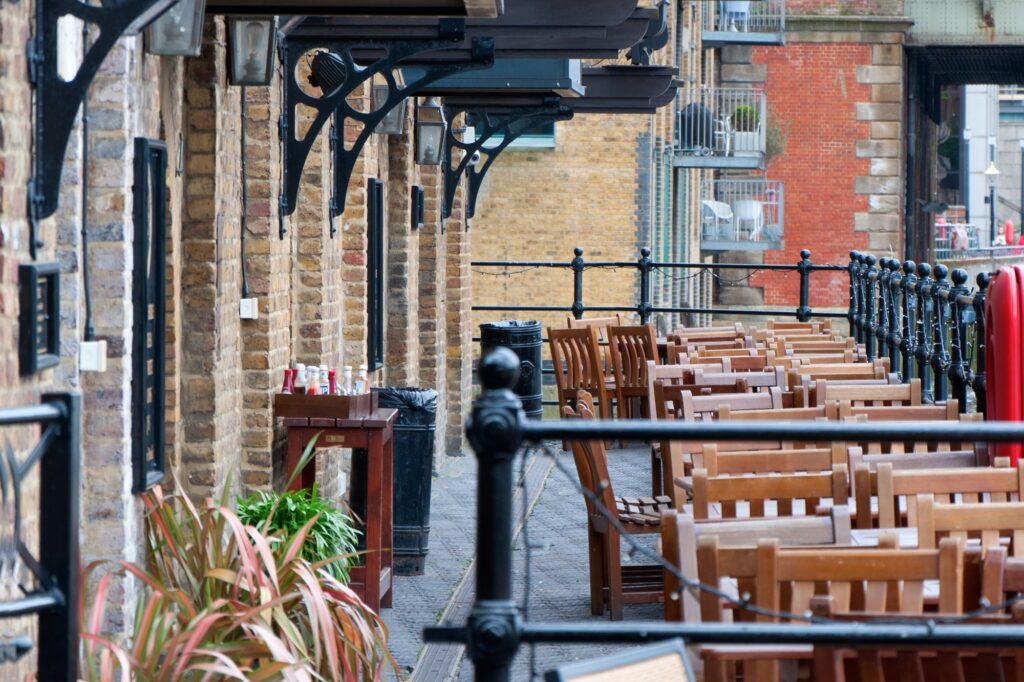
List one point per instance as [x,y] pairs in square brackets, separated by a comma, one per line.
[332,382]
[324,384]
[362,381]
[346,380]
[300,379]
[312,380]
[289,381]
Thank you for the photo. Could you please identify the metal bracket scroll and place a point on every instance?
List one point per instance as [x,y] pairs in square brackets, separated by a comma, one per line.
[509,123]
[57,100]
[335,103]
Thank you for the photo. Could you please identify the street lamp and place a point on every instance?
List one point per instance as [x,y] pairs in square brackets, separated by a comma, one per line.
[430,131]
[253,41]
[991,176]
[178,31]
[394,121]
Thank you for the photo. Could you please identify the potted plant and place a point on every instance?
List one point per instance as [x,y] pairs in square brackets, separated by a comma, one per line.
[746,126]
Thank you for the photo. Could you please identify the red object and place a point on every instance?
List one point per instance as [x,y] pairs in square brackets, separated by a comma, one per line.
[289,381]
[1003,370]
[332,382]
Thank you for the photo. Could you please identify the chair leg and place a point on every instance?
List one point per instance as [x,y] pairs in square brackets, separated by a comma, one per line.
[614,576]
[656,483]
[598,572]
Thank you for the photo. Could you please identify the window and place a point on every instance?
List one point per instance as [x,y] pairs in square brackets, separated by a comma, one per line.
[375,275]
[149,303]
[39,323]
[542,137]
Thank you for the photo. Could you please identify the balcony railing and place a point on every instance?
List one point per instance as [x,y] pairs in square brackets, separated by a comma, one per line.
[743,22]
[741,215]
[722,128]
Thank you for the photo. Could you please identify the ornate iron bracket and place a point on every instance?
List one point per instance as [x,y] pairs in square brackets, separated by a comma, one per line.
[351,75]
[57,100]
[508,122]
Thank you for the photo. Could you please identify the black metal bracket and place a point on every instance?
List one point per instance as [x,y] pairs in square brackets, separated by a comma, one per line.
[57,100]
[451,33]
[509,122]
[656,38]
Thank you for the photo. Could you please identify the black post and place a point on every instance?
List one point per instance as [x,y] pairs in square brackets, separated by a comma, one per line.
[861,304]
[803,313]
[922,347]
[882,326]
[907,343]
[851,315]
[870,323]
[59,470]
[577,284]
[644,264]
[959,371]
[894,340]
[978,382]
[494,432]
[940,356]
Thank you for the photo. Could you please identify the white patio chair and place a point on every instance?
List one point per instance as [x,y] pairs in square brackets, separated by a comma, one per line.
[717,218]
[749,212]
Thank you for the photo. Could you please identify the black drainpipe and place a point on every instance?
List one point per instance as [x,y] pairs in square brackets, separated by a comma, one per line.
[245,204]
[90,331]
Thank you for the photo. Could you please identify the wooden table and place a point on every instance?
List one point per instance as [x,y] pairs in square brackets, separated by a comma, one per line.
[372,580]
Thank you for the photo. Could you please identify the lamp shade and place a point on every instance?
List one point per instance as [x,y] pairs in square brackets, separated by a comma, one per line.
[394,121]
[430,130]
[253,41]
[178,31]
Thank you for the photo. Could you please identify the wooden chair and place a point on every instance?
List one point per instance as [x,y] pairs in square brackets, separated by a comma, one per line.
[857,579]
[841,371]
[960,485]
[577,362]
[989,521]
[680,533]
[766,378]
[632,348]
[758,491]
[611,583]
[873,394]
[601,326]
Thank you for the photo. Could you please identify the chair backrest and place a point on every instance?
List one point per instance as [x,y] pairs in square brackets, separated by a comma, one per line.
[631,349]
[890,580]
[737,329]
[768,461]
[857,370]
[870,394]
[991,521]
[773,376]
[961,485]
[590,458]
[600,325]
[756,491]
[812,327]
[576,358]
[791,414]
[680,533]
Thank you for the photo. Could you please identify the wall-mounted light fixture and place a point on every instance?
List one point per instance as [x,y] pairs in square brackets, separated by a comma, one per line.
[253,46]
[430,130]
[179,31]
[393,122]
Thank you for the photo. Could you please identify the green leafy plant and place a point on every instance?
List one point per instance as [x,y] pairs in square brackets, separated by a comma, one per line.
[219,600]
[745,118]
[331,539]
[775,139]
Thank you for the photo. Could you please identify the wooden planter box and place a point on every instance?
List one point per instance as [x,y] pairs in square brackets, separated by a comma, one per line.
[325,406]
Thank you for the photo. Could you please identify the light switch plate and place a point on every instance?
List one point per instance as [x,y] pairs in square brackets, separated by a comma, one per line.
[92,356]
[249,308]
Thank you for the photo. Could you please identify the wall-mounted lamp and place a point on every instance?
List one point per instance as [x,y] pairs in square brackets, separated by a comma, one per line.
[253,45]
[430,130]
[393,122]
[179,31]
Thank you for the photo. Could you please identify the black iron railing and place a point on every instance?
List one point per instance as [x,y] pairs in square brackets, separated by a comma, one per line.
[645,268]
[498,429]
[48,581]
[928,327]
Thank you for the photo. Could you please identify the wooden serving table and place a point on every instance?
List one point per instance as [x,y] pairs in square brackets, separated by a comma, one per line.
[358,423]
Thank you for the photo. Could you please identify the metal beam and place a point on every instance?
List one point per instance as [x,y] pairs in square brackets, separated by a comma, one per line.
[388,8]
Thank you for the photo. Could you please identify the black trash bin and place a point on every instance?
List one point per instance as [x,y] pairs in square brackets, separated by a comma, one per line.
[524,338]
[413,464]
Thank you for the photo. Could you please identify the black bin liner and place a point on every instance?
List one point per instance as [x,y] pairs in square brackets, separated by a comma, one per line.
[413,465]
[696,129]
[524,338]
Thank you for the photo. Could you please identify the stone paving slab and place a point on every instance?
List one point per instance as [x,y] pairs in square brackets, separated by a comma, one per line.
[559,573]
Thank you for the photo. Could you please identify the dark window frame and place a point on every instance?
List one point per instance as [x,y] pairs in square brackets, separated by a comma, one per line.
[39,317]
[375,275]
[149,323]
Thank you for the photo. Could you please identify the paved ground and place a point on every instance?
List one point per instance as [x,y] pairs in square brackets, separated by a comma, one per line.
[558,585]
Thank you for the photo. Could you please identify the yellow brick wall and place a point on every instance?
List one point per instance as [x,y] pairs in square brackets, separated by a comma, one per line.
[538,204]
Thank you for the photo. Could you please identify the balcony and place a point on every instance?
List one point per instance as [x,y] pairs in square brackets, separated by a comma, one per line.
[743,22]
[722,128]
[741,215]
